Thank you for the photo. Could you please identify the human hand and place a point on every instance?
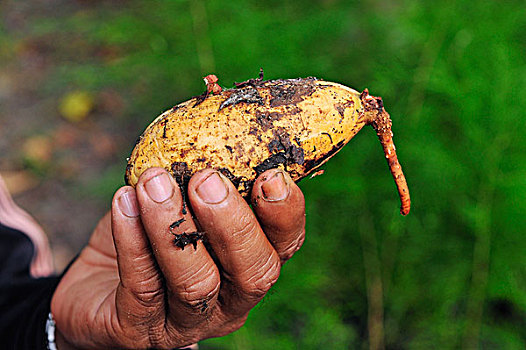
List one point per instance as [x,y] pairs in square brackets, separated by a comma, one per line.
[141,291]
[13,216]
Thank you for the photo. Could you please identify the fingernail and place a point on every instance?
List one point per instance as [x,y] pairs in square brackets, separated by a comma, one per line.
[159,188]
[275,188]
[128,204]
[213,189]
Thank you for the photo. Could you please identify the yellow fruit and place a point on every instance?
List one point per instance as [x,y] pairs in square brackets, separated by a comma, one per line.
[294,124]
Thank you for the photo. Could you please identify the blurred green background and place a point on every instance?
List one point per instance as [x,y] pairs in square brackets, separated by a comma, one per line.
[79,81]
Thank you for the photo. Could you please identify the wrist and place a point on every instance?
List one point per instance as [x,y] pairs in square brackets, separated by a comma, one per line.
[62,343]
[55,338]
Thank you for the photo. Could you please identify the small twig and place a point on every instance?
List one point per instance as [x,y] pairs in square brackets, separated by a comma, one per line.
[186,238]
[176,224]
[212,87]
[251,82]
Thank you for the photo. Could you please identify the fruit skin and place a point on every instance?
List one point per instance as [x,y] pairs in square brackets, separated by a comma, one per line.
[293,124]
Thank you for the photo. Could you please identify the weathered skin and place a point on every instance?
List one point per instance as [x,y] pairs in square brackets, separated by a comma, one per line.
[294,124]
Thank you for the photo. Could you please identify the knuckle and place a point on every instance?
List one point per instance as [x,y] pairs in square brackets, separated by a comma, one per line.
[156,336]
[147,291]
[245,225]
[199,292]
[261,281]
[289,250]
[147,298]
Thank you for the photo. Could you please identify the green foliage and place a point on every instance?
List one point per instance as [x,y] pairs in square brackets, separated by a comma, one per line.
[452,274]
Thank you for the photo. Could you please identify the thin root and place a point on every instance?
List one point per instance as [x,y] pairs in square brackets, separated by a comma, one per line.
[380,120]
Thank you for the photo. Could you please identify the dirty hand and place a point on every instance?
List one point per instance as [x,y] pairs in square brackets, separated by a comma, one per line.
[131,287]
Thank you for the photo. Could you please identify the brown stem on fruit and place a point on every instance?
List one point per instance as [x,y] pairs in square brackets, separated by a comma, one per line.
[252,82]
[379,119]
[212,87]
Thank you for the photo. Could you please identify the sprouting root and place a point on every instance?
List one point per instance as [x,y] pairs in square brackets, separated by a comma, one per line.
[379,119]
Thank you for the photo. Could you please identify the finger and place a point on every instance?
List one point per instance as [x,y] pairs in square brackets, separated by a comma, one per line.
[280,207]
[191,275]
[139,293]
[13,216]
[250,265]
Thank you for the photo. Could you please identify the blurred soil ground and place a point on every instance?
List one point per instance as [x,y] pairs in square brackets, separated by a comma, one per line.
[55,147]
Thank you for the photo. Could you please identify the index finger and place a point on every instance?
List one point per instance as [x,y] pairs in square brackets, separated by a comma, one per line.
[191,277]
